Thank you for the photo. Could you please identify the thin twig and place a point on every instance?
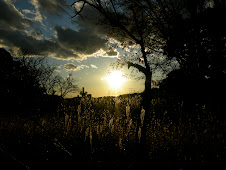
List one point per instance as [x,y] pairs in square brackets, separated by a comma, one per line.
[64,10]
[15,159]
[80,10]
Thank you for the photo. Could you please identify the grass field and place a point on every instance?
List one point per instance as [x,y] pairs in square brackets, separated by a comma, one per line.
[101,132]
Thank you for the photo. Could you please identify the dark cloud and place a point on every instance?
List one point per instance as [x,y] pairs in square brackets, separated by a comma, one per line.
[14,34]
[90,19]
[21,34]
[18,41]
[10,17]
[83,41]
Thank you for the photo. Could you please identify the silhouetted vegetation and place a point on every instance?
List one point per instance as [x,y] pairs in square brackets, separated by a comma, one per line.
[188,33]
[31,85]
[18,85]
[197,41]
[179,125]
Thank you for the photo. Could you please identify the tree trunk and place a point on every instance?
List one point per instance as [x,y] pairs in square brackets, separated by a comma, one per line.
[142,152]
[146,95]
[141,148]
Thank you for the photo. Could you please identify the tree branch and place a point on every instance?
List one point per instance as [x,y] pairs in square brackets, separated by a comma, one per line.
[80,10]
[137,66]
[113,21]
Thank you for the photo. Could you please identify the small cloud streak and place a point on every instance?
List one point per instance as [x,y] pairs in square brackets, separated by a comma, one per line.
[72,67]
[93,66]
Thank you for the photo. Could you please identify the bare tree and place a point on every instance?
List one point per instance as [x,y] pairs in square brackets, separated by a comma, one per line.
[65,86]
[47,79]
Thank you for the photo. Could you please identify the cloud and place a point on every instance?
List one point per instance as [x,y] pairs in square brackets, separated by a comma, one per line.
[20,42]
[51,7]
[27,11]
[44,8]
[93,66]
[72,67]
[35,33]
[19,35]
[24,36]
[83,41]
[111,52]
[90,19]
[11,18]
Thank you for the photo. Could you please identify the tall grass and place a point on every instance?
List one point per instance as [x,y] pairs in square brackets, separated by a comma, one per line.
[108,123]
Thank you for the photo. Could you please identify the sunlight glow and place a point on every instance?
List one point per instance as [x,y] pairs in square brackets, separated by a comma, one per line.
[115,79]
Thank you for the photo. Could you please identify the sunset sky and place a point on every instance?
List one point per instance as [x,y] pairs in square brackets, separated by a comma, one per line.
[44,28]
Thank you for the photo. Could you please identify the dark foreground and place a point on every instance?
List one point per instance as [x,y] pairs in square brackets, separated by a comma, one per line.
[88,136]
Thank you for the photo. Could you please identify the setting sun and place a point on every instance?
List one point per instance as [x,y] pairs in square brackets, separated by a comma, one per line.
[115,79]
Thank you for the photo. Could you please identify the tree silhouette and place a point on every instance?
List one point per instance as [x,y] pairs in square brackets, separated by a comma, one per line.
[65,86]
[19,86]
[27,83]
[180,29]
[129,22]
[197,38]
[47,79]
[83,93]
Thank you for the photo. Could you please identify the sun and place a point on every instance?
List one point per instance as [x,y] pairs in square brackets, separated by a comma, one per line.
[115,79]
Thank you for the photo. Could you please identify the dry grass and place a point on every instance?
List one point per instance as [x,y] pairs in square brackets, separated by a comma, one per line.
[108,125]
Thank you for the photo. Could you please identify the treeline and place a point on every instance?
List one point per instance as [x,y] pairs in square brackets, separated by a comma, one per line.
[31,85]
[197,42]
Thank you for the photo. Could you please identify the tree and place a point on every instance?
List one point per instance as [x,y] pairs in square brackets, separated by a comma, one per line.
[83,92]
[65,86]
[196,38]
[19,85]
[157,26]
[28,82]
[131,23]
[49,81]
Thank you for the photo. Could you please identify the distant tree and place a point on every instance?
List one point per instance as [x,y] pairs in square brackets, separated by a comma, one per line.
[83,92]
[26,80]
[65,86]
[49,81]
[18,84]
[39,69]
